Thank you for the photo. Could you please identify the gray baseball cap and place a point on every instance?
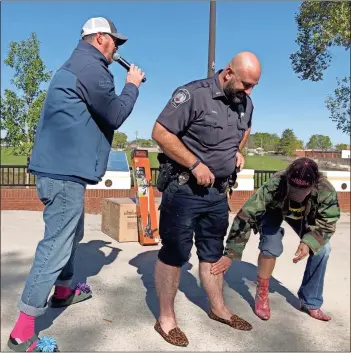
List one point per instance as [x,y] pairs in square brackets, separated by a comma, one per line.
[103,25]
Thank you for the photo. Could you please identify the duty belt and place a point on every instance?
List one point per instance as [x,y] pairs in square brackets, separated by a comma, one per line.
[222,184]
[170,170]
[186,177]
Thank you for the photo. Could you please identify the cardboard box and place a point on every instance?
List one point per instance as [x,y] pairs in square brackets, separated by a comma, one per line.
[119,218]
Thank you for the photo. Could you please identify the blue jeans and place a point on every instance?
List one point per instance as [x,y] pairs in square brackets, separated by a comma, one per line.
[311,289]
[64,229]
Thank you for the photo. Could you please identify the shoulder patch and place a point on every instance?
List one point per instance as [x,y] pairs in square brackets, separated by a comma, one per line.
[181,96]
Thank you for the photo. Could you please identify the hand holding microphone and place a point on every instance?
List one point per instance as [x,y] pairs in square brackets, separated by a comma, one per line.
[135,75]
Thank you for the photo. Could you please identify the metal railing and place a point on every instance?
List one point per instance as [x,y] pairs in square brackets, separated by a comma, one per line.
[17,175]
[261,176]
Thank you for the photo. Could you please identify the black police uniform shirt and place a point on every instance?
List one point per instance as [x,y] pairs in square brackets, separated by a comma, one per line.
[200,115]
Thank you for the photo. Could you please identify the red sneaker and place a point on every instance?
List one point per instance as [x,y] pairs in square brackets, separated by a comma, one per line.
[262,308]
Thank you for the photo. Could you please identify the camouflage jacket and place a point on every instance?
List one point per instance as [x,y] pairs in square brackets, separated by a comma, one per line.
[321,214]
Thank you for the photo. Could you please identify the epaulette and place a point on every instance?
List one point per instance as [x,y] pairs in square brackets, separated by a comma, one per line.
[201,83]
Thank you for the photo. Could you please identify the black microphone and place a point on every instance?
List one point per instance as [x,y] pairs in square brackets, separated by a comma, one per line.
[117,57]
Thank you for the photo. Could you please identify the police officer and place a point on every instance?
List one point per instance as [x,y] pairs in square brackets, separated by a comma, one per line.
[201,130]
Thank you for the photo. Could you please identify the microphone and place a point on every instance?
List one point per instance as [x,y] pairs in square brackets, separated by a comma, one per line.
[117,57]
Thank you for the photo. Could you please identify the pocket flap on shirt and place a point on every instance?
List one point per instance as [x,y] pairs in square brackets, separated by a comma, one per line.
[210,120]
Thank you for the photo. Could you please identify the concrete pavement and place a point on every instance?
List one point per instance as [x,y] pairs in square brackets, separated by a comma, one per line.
[121,315]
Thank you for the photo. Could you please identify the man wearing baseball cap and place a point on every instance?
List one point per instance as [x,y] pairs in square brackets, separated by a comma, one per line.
[71,149]
[307,201]
[103,29]
[103,25]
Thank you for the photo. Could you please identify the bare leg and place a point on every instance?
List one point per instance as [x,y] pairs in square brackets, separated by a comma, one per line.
[213,285]
[265,266]
[166,282]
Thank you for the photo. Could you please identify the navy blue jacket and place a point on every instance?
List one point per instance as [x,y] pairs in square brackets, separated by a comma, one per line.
[80,114]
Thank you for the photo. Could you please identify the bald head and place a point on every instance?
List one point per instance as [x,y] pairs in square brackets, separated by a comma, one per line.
[247,64]
[240,76]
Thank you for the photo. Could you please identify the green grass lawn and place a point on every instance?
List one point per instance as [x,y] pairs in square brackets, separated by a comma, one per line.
[251,162]
[8,158]
[265,163]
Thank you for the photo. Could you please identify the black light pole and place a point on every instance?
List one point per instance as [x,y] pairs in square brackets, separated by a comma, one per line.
[212,40]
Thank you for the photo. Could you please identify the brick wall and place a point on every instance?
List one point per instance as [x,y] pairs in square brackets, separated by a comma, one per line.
[318,154]
[27,199]
[344,201]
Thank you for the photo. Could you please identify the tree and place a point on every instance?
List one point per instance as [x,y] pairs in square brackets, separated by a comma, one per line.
[288,143]
[251,142]
[299,144]
[321,25]
[269,142]
[339,105]
[144,143]
[20,109]
[319,142]
[272,142]
[342,146]
[119,140]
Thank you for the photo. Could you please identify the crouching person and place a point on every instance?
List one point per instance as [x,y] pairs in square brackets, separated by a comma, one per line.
[305,199]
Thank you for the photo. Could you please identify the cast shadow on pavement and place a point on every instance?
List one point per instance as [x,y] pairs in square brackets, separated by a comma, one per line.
[235,278]
[89,261]
[240,271]
[145,263]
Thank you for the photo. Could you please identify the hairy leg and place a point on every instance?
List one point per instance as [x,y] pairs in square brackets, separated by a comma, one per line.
[166,281]
[213,285]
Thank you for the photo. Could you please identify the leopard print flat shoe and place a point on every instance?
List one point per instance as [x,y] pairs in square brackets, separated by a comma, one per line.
[235,322]
[175,336]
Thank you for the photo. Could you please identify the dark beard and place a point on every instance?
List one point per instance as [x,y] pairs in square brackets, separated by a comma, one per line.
[233,95]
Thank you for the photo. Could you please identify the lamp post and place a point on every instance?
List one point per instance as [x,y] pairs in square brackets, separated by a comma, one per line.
[212,40]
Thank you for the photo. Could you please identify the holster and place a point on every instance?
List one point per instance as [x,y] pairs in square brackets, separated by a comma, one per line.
[168,171]
[232,179]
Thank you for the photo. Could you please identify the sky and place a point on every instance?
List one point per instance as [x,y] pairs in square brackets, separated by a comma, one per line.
[169,41]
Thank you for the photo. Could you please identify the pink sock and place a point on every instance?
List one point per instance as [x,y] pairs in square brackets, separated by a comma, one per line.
[62,292]
[24,329]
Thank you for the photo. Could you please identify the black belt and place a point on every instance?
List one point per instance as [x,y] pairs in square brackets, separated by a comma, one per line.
[219,183]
